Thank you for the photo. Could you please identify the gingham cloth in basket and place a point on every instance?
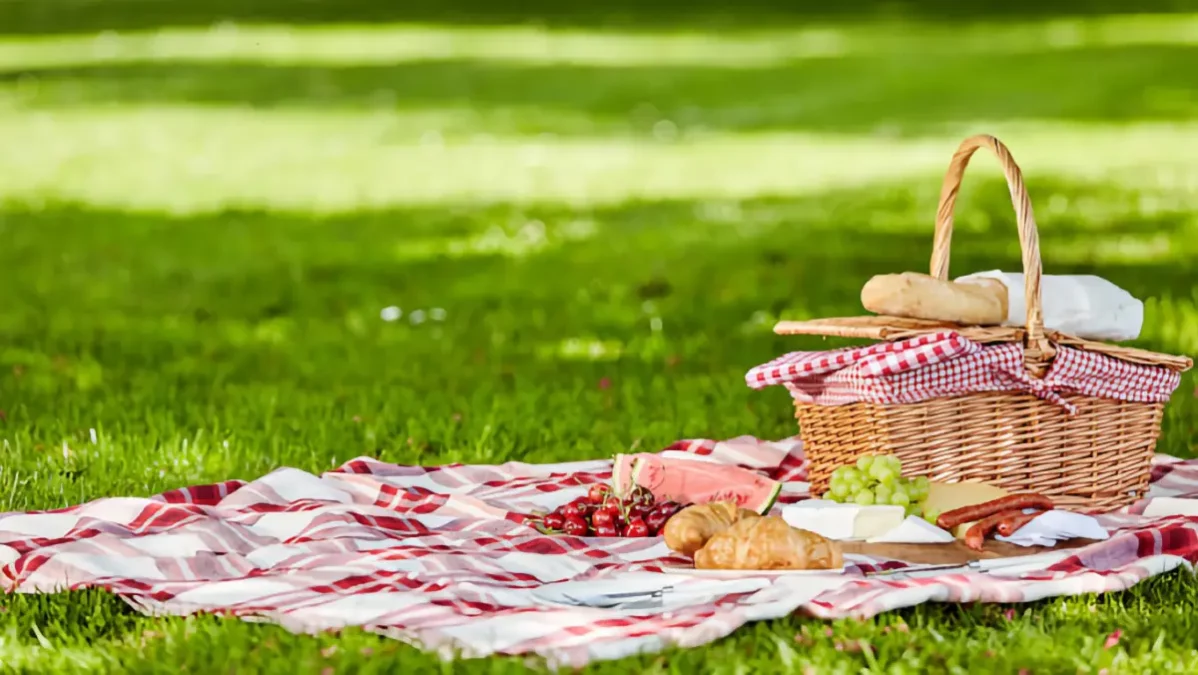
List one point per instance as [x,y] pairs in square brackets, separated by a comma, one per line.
[437,556]
[946,364]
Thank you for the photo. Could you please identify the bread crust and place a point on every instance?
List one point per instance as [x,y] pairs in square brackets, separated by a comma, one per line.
[977,302]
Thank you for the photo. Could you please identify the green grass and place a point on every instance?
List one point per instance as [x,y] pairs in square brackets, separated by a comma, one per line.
[199,229]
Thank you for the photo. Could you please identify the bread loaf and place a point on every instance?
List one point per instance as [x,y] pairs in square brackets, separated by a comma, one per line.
[980,302]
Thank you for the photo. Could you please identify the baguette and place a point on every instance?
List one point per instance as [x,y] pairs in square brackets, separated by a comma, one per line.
[978,302]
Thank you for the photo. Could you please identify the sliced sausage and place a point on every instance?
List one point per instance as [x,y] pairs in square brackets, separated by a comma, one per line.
[950,519]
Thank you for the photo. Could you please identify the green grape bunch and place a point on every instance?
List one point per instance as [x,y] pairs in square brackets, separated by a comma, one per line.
[877,479]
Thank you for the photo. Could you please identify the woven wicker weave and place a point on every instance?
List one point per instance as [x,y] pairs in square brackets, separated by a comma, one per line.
[1096,460]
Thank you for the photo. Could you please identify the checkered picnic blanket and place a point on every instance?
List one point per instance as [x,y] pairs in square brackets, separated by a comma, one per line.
[438,556]
[946,364]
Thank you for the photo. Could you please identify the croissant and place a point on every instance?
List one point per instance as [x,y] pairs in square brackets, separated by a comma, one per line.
[768,544]
[689,529]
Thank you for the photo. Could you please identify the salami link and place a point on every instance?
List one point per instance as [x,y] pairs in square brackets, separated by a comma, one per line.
[1011,525]
[950,519]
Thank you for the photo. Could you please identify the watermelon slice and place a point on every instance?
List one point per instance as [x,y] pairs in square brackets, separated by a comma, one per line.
[689,481]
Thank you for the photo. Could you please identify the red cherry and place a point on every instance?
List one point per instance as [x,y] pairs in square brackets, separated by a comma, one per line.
[598,493]
[606,531]
[571,510]
[576,527]
[668,507]
[639,496]
[664,514]
[555,521]
[641,511]
[612,505]
[636,528]
[656,520]
[603,517]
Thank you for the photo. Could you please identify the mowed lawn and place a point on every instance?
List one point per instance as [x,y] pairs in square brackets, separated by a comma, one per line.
[227,250]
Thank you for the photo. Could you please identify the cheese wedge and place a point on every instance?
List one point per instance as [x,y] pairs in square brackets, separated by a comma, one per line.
[843,521]
[948,496]
[913,530]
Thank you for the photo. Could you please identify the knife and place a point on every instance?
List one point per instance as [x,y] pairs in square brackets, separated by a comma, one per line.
[658,594]
[1032,562]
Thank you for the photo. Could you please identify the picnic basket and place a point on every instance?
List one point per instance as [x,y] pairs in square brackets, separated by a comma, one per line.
[1098,459]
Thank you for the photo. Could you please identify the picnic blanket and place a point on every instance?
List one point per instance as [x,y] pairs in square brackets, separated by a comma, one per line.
[439,556]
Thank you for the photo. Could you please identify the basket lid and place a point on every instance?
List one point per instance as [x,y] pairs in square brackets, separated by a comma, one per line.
[893,328]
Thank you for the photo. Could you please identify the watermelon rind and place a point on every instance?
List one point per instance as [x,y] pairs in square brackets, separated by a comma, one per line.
[620,483]
[635,473]
[769,502]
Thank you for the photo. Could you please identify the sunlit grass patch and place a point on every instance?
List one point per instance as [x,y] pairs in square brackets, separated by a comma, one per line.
[186,160]
[515,240]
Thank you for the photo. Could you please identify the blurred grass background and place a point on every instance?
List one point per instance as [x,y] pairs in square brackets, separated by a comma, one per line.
[67,16]
[239,235]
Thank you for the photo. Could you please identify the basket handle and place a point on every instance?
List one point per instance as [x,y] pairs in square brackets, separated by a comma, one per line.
[1037,349]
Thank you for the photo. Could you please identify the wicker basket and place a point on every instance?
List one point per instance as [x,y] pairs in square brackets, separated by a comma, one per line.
[1096,460]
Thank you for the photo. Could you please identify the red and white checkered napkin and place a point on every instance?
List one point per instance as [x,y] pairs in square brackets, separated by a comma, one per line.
[437,556]
[945,364]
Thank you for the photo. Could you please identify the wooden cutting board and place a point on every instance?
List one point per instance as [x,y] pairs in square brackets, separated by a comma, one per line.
[955,553]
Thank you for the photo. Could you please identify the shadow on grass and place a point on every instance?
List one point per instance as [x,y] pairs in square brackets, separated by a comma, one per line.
[266,328]
[64,16]
[806,256]
[907,92]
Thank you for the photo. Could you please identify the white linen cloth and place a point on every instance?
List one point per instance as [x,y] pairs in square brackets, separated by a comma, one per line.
[1084,306]
[1051,527]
